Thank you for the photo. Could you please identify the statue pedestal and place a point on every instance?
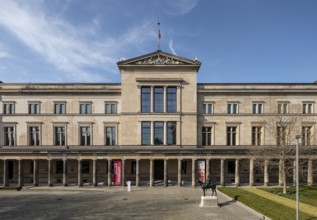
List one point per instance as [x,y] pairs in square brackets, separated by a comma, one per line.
[209,201]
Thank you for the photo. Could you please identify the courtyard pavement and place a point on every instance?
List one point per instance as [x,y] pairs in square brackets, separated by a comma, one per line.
[116,203]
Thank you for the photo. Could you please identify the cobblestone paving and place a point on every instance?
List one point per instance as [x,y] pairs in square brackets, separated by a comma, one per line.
[115,203]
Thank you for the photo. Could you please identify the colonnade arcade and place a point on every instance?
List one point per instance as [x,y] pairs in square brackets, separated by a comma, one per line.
[143,171]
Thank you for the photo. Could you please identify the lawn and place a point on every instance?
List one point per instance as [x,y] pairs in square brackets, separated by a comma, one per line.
[307,194]
[267,207]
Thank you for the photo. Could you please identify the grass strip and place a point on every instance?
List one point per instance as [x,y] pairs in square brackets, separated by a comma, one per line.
[265,206]
[308,209]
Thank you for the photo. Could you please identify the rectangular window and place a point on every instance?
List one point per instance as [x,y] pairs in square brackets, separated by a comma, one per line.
[59,108]
[158,99]
[307,108]
[231,136]
[60,136]
[85,136]
[34,136]
[232,108]
[85,108]
[146,99]
[158,133]
[59,166]
[111,136]
[171,133]
[184,167]
[281,135]
[9,136]
[111,108]
[257,108]
[146,133]
[306,136]
[8,108]
[207,108]
[171,99]
[282,108]
[206,136]
[34,108]
[256,136]
[85,166]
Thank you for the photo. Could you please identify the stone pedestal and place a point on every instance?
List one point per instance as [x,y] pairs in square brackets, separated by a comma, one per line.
[209,201]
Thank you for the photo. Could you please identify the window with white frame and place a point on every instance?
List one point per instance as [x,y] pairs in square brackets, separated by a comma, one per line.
[162,133]
[171,133]
[85,107]
[111,108]
[85,135]
[257,108]
[9,135]
[208,108]
[308,108]
[231,135]
[146,133]
[256,135]
[60,135]
[282,107]
[111,135]
[59,107]
[281,135]
[306,135]
[8,108]
[34,107]
[206,136]
[233,108]
[34,135]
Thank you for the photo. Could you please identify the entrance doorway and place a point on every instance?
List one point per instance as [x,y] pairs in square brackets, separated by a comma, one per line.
[158,169]
[10,169]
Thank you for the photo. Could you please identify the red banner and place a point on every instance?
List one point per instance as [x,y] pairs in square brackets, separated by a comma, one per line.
[117,172]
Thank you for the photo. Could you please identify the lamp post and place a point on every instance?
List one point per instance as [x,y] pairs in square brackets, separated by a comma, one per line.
[297,179]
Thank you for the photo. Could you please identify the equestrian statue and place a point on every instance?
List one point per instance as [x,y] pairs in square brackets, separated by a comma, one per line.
[207,185]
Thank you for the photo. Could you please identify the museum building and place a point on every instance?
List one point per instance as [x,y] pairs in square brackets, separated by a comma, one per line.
[157,127]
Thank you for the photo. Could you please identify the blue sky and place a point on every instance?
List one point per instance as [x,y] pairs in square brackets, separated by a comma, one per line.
[81,40]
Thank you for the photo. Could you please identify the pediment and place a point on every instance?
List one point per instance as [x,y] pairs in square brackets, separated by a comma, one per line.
[159,58]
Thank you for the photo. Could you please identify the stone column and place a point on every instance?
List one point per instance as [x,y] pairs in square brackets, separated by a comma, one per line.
[5,173]
[280,173]
[179,172]
[80,174]
[94,173]
[165,173]
[208,168]
[35,173]
[109,173]
[251,181]
[152,133]
[294,172]
[193,172]
[165,132]
[137,172]
[237,173]
[222,172]
[123,172]
[151,173]
[49,173]
[65,177]
[310,178]
[20,173]
[266,172]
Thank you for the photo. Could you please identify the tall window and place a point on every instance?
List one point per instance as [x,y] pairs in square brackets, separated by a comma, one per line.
[111,136]
[59,108]
[171,99]
[146,133]
[60,136]
[282,108]
[146,99]
[34,135]
[9,136]
[171,133]
[85,108]
[206,136]
[306,132]
[158,133]
[256,135]
[34,108]
[111,108]
[281,135]
[307,108]
[8,108]
[85,136]
[257,108]
[231,136]
[232,108]
[85,166]
[158,99]
[207,108]
[59,166]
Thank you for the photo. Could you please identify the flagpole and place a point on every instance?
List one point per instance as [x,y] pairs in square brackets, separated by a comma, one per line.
[159,35]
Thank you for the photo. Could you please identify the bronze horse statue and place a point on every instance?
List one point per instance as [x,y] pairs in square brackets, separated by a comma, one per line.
[207,185]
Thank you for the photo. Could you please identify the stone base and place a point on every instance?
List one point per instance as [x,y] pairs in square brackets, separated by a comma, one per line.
[209,201]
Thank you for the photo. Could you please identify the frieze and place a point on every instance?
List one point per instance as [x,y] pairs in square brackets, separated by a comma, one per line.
[159,60]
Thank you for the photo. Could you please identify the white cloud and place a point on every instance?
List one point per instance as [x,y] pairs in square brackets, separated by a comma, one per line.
[68,48]
[177,7]
[3,54]
[170,44]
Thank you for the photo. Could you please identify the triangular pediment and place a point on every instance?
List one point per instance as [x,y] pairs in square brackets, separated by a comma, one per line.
[158,58]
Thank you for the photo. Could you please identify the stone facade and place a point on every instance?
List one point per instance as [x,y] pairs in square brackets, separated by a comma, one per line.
[96,133]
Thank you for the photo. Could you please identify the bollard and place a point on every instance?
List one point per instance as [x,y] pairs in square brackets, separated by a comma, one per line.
[129,185]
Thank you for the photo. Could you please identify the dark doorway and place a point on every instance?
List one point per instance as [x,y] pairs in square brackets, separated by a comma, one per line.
[10,168]
[158,169]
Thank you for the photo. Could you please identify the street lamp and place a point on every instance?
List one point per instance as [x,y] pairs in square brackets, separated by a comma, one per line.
[297,179]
